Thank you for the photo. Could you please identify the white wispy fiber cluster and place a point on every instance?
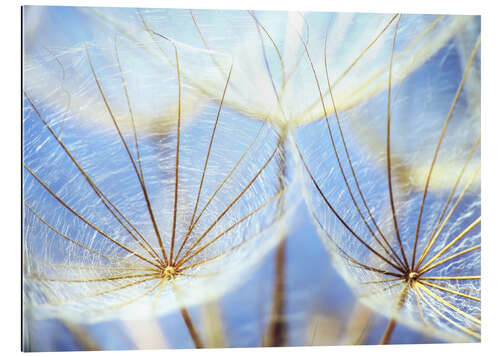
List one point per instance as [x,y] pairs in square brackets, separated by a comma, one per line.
[141,194]
[393,186]
[272,77]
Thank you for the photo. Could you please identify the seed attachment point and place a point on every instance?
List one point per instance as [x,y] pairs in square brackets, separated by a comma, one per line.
[411,276]
[168,272]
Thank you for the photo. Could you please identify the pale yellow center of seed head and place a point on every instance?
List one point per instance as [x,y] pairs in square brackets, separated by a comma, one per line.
[412,275]
[168,272]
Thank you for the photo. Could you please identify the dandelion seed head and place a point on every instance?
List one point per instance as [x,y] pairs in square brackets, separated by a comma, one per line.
[138,201]
[398,205]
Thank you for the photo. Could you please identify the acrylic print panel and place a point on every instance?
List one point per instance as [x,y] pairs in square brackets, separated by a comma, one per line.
[219,178]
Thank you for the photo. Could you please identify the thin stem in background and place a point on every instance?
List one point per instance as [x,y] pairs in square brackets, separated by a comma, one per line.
[276,334]
[192,330]
[401,299]
[386,338]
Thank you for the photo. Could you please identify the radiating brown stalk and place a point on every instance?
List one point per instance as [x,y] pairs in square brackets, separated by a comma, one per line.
[192,222]
[451,291]
[346,256]
[132,161]
[396,266]
[344,223]
[94,280]
[228,229]
[379,291]
[78,332]
[205,43]
[169,261]
[282,64]
[462,252]
[476,277]
[433,238]
[419,306]
[107,203]
[441,137]
[129,301]
[447,304]
[454,241]
[450,196]
[442,301]
[231,204]
[371,79]
[394,255]
[210,147]
[59,233]
[228,250]
[88,222]
[129,105]
[177,148]
[356,60]
[105,291]
[219,187]
[388,149]
[466,330]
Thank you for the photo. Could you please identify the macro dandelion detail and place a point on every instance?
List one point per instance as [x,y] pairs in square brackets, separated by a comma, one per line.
[168,152]
[394,191]
[130,215]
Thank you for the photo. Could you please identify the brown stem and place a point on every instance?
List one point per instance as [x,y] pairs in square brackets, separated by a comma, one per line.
[386,338]
[277,329]
[276,334]
[388,332]
[192,330]
[81,336]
